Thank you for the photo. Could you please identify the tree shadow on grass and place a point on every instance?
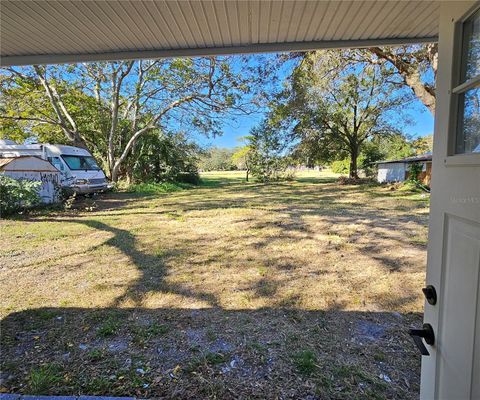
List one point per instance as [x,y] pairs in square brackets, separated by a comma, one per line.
[151,267]
[295,206]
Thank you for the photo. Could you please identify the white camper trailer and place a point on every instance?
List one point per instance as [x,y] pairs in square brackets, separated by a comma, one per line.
[79,170]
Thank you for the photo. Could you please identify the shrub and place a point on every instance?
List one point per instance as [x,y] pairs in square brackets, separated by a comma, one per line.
[164,157]
[414,171]
[156,188]
[17,195]
[289,174]
[406,186]
[341,166]
[192,177]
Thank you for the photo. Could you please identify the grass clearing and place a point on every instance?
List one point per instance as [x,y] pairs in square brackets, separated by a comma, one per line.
[228,290]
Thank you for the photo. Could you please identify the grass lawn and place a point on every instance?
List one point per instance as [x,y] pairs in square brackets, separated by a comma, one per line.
[301,289]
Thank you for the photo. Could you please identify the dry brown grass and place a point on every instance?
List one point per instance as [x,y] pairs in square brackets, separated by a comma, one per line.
[221,260]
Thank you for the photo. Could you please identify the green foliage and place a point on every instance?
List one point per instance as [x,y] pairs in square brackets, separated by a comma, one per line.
[423,144]
[114,124]
[42,379]
[408,186]
[215,358]
[394,146]
[217,159]
[109,327]
[156,188]
[142,334]
[241,157]
[17,195]
[370,154]
[96,355]
[267,152]
[335,102]
[413,172]
[305,361]
[98,385]
[341,166]
[160,157]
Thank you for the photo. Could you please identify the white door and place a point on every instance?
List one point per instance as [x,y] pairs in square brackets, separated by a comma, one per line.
[452,370]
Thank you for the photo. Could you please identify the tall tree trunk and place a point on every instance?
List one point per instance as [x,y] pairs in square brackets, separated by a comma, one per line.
[353,162]
[114,173]
[133,139]
[129,174]
[111,160]
[66,121]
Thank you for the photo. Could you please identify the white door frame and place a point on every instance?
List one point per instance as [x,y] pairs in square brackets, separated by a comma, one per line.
[455,183]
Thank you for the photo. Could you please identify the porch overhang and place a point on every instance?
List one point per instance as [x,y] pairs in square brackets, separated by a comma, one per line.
[49,32]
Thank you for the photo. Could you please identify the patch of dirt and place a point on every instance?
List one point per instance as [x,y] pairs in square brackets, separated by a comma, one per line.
[367,330]
[254,354]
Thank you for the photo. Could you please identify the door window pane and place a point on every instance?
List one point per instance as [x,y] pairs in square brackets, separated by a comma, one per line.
[468,95]
[468,134]
[471,48]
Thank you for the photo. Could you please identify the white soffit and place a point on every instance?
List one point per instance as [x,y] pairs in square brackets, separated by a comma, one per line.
[40,32]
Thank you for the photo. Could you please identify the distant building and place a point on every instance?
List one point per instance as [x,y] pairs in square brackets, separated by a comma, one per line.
[398,170]
[34,169]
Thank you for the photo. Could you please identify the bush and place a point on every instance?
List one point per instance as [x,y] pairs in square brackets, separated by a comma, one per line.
[17,195]
[407,186]
[192,178]
[341,166]
[414,171]
[411,186]
[163,157]
[155,188]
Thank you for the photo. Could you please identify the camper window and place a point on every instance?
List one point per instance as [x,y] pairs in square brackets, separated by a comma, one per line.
[57,163]
[78,163]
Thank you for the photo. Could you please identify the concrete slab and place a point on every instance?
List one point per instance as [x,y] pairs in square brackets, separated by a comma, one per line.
[103,398]
[8,396]
[35,397]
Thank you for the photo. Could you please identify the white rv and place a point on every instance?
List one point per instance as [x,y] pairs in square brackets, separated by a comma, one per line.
[79,170]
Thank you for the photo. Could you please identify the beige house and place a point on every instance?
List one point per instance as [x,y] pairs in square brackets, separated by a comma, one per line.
[73,31]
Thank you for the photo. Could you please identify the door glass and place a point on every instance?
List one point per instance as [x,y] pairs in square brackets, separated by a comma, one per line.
[468,126]
[468,139]
[471,47]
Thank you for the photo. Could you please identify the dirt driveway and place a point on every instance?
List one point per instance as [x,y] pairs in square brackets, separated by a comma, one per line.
[295,290]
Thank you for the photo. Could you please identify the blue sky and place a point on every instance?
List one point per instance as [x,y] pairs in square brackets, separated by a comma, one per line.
[421,120]
[422,126]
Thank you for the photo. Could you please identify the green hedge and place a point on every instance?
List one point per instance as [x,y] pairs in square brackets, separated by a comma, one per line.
[17,195]
[156,188]
[341,166]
